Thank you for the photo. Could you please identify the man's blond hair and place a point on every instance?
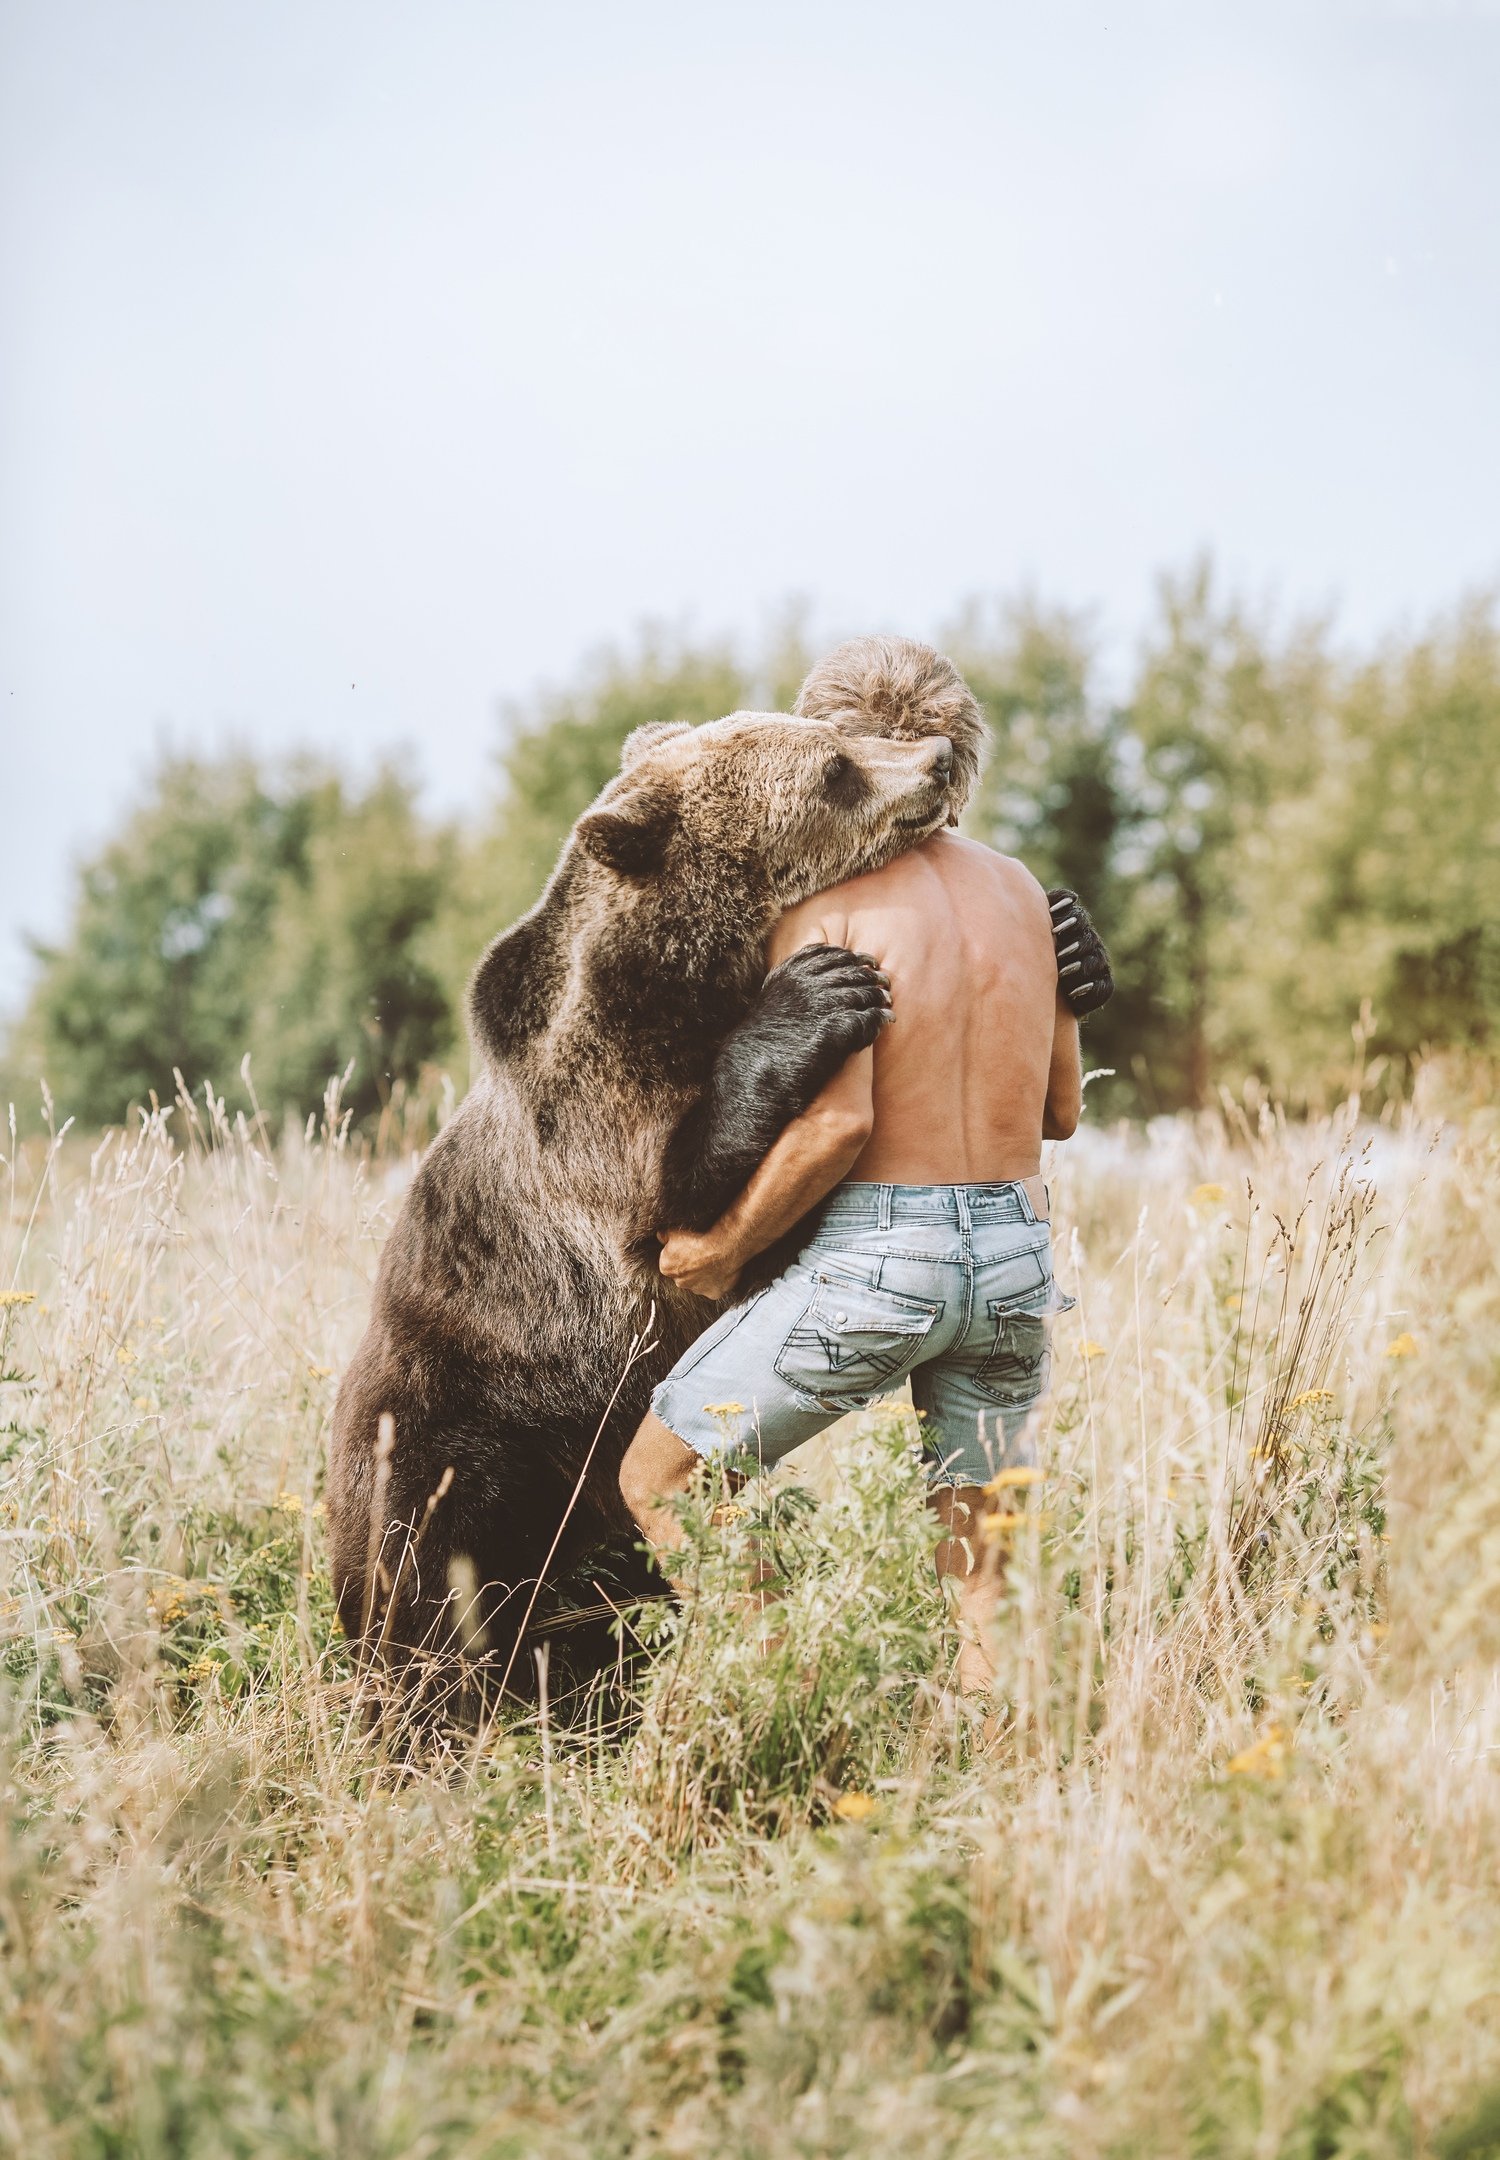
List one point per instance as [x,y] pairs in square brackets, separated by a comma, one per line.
[895,686]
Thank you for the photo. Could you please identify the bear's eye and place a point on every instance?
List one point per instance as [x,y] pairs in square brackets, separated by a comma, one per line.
[843,782]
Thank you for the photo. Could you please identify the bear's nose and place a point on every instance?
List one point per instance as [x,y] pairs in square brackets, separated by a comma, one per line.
[942,758]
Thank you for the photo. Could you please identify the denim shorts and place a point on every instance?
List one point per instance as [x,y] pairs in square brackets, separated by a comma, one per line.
[949,1286]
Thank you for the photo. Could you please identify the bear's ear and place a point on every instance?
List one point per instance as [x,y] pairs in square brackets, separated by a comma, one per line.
[630,837]
[645,738]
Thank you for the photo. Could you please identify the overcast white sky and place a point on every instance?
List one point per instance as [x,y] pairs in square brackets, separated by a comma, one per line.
[361,364]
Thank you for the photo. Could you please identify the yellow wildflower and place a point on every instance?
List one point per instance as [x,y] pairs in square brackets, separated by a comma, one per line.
[1405,1345]
[999,1524]
[723,1409]
[11,1298]
[1233,1302]
[169,1600]
[1312,1395]
[320,1509]
[1265,1759]
[1022,1474]
[319,1372]
[1092,1350]
[290,1503]
[125,1355]
[730,1512]
[1208,1196]
[855,1806]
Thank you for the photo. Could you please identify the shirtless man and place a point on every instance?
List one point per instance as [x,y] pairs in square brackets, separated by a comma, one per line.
[931,1258]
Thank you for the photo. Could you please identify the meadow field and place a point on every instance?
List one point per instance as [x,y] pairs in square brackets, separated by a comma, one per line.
[1220,1876]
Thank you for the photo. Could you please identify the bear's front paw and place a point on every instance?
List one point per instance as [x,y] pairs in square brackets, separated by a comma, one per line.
[815,1011]
[1083,971]
[826,984]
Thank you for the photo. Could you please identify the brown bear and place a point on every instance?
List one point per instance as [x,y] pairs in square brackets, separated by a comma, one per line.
[634,1064]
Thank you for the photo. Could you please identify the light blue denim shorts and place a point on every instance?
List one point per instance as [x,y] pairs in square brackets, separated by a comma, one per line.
[949,1286]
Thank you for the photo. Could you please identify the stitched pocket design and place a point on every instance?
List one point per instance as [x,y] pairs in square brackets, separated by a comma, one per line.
[1018,1365]
[852,1343]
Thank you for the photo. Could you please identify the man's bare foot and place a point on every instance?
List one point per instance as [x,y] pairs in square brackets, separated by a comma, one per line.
[976,1566]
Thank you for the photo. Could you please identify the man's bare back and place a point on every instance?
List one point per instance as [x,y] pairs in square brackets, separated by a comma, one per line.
[983,1061]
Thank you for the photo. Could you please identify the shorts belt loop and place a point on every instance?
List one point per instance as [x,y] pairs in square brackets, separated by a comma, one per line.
[883,1218]
[965,1219]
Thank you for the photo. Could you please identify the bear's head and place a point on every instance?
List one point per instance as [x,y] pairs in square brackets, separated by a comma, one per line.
[893,686]
[764,803]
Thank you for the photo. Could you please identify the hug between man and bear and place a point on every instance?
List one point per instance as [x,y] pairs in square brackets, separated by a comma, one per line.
[634,1063]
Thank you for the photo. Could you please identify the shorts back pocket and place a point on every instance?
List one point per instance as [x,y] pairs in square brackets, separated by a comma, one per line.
[853,1343]
[1021,1300]
[1018,1364]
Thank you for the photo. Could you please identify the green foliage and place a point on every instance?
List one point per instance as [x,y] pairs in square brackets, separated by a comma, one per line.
[1057,792]
[241,911]
[1224,724]
[346,976]
[1274,842]
[1405,892]
[763,1728]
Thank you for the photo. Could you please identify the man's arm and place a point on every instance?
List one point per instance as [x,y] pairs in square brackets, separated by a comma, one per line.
[1064,1104]
[812,1154]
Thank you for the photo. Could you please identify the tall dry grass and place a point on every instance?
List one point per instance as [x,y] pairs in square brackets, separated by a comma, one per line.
[1223,1877]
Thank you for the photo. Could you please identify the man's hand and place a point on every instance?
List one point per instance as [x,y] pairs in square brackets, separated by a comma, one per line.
[697,1260]
[1083,974]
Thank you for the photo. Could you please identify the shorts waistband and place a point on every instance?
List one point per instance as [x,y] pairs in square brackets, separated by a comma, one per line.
[1019,1200]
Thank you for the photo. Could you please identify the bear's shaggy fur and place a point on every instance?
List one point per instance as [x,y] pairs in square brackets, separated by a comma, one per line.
[633,1067]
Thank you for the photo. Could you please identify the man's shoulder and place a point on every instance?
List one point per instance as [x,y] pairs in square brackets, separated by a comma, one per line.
[945,869]
[966,858]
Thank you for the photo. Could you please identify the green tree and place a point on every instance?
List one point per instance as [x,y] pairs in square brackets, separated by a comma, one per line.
[1413,871]
[346,975]
[237,911]
[1225,725]
[1377,880]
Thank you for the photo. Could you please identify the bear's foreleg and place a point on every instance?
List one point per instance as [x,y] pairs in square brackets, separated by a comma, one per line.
[1083,971]
[813,1012]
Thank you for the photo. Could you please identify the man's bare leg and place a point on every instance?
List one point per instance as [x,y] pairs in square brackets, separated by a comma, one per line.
[979,1571]
[658,1469]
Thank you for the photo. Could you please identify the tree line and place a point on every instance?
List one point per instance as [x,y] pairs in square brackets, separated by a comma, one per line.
[1284,844]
